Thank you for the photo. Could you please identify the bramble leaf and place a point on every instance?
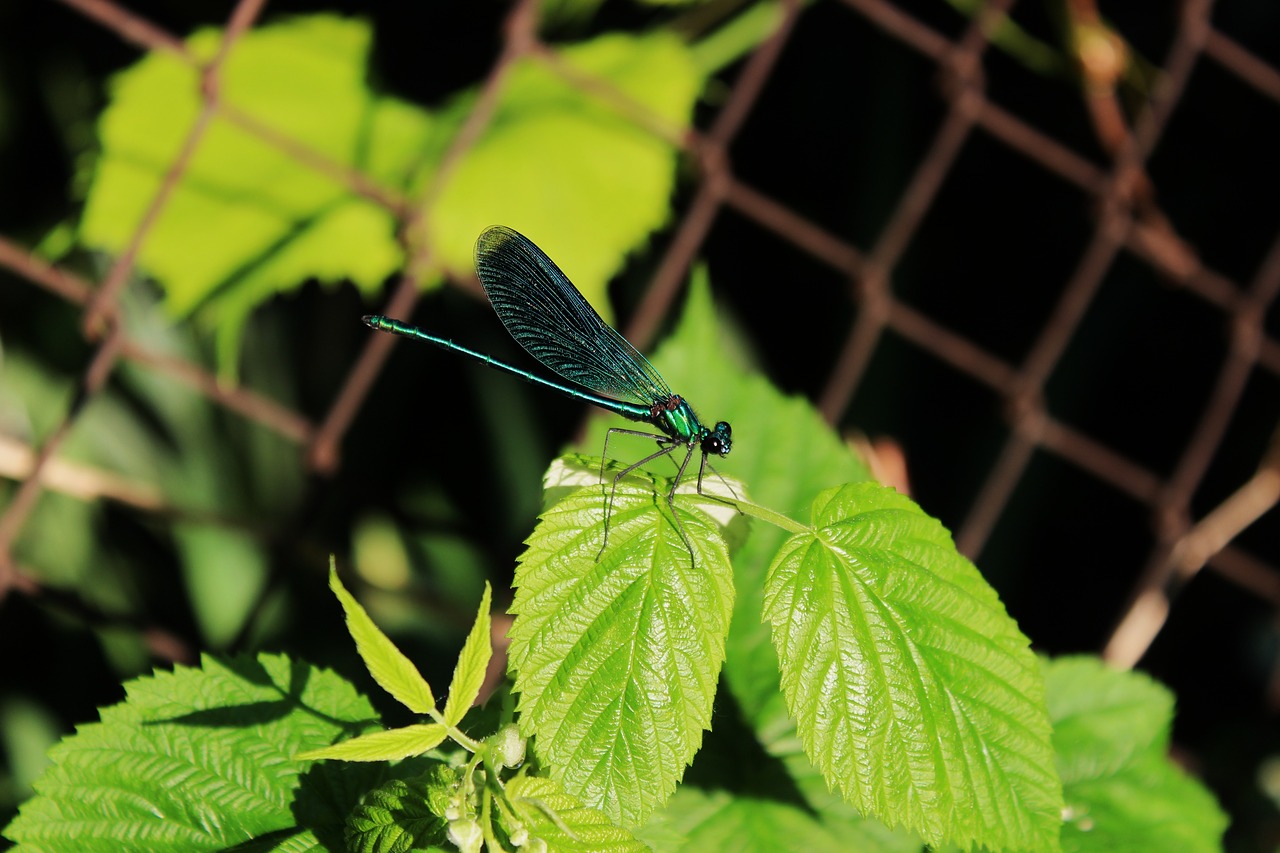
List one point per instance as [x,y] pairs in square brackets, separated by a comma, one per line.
[544,811]
[468,675]
[202,759]
[250,219]
[394,672]
[389,745]
[912,689]
[1111,736]
[404,814]
[616,659]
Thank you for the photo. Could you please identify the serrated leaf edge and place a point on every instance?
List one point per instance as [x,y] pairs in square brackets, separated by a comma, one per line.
[389,666]
[473,661]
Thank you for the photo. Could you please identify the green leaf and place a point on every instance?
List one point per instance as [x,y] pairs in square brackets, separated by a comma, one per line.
[468,675]
[787,454]
[1102,718]
[546,812]
[394,672]
[912,689]
[781,448]
[390,745]
[1111,735]
[225,572]
[695,821]
[562,165]
[249,219]
[858,831]
[704,360]
[616,660]
[202,759]
[404,814]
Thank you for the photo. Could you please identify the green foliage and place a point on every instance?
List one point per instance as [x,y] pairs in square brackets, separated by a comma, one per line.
[1111,739]
[206,758]
[201,759]
[250,219]
[879,681]
[405,814]
[616,658]
[950,736]
[555,153]
[902,694]
[396,674]
[541,810]
[464,807]
[906,676]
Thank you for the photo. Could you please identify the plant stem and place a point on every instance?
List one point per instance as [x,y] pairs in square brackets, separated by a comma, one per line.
[763,513]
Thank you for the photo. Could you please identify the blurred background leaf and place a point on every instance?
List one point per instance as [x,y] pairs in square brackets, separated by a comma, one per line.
[249,219]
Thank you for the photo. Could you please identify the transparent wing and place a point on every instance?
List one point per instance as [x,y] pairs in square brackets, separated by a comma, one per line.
[547,316]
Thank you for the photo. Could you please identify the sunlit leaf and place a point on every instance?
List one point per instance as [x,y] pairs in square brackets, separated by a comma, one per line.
[544,811]
[251,219]
[468,675]
[394,672]
[202,760]
[912,689]
[390,745]
[616,659]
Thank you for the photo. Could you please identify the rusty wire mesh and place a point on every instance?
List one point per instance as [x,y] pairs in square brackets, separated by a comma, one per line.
[1118,213]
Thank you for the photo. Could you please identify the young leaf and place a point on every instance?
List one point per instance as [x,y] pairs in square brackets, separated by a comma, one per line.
[544,811]
[616,659]
[389,745]
[202,759]
[394,672]
[404,814]
[1110,736]
[912,689]
[468,675]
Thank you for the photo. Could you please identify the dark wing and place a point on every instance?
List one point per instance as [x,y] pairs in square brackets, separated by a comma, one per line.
[547,316]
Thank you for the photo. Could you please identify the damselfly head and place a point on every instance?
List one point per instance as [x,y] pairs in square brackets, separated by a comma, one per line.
[718,441]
